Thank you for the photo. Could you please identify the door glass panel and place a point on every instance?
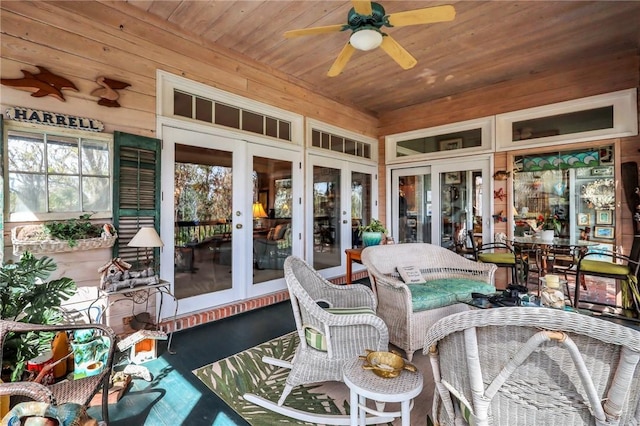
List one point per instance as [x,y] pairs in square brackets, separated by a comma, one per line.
[461,201]
[326,217]
[414,209]
[202,223]
[272,238]
[360,204]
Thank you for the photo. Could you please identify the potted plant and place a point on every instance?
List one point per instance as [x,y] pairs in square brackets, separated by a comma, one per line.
[372,233]
[25,296]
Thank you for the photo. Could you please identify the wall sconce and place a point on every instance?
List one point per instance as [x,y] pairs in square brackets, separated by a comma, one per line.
[501,175]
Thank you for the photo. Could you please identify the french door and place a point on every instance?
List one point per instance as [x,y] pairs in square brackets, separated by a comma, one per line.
[341,196]
[439,203]
[216,228]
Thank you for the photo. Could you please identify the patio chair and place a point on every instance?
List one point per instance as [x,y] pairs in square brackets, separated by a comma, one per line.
[498,253]
[619,267]
[533,366]
[74,391]
[335,324]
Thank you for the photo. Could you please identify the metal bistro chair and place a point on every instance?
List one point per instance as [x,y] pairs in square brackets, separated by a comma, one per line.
[533,366]
[620,267]
[77,391]
[498,253]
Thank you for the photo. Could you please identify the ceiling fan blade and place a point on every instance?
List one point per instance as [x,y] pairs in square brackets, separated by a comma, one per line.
[341,60]
[314,30]
[363,7]
[398,53]
[422,16]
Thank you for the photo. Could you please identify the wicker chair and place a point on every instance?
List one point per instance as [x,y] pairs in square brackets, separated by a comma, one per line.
[533,366]
[339,334]
[395,304]
[78,391]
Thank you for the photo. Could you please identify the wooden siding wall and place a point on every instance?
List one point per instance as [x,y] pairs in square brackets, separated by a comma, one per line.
[82,41]
[617,71]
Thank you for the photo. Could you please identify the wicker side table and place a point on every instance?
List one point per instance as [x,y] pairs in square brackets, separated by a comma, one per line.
[365,384]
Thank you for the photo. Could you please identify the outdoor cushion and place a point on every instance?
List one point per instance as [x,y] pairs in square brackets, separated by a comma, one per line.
[498,258]
[603,267]
[445,291]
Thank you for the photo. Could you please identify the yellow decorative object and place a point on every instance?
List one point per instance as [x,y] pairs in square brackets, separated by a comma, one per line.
[386,364]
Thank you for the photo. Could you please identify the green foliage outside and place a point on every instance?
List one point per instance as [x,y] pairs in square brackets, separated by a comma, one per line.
[26,296]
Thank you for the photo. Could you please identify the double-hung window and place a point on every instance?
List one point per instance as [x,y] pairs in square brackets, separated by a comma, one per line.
[57,174]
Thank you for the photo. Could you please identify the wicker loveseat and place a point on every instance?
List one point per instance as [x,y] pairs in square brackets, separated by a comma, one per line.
[409,310]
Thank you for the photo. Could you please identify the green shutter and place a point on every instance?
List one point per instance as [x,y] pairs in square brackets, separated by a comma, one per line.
[136,192]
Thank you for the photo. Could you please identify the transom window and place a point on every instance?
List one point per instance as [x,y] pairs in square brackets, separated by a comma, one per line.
[53,173]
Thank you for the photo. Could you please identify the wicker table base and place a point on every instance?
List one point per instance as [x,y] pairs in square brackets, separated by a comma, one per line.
[365,384]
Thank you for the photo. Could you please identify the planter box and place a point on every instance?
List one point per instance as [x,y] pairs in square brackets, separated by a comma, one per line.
[57,246]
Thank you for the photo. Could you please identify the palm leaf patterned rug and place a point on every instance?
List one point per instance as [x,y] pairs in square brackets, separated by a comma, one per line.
[245,372]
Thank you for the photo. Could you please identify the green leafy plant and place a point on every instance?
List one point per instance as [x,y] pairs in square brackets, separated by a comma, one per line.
[374,226]
[26,296]
[72,230]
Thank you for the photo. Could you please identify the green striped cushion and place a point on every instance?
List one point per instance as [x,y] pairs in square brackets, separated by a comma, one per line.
[603,267]
[503,258]
[316,339]
[351,311]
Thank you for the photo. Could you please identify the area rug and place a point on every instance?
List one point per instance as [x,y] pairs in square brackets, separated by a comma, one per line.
[245,372]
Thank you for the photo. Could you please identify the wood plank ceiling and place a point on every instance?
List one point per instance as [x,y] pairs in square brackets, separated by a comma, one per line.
[487,43]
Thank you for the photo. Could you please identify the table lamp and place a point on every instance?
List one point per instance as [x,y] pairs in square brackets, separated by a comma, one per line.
[258,213]
[146,237]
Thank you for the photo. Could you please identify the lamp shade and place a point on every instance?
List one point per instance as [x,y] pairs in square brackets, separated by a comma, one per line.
[146,237]
[258,210]
[366,39]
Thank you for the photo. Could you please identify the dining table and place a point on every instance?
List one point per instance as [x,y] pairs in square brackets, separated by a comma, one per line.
[547,246]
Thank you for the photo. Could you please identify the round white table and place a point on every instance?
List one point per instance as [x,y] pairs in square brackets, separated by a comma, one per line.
[365,384]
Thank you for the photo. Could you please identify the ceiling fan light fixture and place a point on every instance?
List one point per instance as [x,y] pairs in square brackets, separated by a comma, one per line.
[366,39]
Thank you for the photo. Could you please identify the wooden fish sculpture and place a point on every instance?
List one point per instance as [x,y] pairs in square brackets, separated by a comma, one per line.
[107,94]
[42,84]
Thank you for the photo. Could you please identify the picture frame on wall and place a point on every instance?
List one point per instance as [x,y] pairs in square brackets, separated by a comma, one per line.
[604,217]
[450,144]
[452,178]
[603,232]
[584,219]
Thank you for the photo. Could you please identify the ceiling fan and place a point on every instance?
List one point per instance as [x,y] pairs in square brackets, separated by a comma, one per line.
[365,20]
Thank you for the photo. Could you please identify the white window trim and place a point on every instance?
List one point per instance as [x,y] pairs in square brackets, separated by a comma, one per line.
[625,120]
[486,124]
[10,125]
[312,124]
[167,82]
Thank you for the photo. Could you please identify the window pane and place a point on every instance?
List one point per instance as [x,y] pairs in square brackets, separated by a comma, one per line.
[62,155]
[96,194]
[95,158]
[563,124]
[204,110]
[26,193]
[447,142]
[285,131]
[63,193]
[182,104]
[272,127]
[227,116]
[252,122]
[26,152]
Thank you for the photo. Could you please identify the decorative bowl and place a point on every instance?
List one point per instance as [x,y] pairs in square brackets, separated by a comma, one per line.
[386,364]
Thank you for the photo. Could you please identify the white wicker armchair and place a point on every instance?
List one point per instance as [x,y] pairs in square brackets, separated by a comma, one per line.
[406,327]
[534,366]
[345,335]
